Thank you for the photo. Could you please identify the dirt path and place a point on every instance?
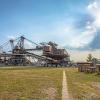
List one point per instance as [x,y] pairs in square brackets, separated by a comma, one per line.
[65,95]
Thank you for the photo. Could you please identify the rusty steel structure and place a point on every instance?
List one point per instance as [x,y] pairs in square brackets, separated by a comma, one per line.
[21,54]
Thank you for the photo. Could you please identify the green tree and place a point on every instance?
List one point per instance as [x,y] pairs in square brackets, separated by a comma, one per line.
[89,58]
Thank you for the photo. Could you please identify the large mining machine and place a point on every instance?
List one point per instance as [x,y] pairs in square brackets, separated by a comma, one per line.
[21,54]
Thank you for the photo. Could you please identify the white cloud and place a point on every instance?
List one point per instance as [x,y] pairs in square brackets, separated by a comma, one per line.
[84,38]
[11,37]
[92,6]
[91,27]
[94,9]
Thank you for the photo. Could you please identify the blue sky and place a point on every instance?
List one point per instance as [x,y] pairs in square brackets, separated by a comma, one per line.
[38,18]
[71,23]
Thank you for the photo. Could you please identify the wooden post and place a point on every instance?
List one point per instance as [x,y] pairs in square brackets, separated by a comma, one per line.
[98,68]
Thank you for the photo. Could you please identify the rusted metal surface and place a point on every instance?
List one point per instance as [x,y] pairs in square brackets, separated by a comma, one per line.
[98,68]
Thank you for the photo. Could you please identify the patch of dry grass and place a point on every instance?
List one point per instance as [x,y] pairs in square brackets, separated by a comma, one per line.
[30,83]
[83,86]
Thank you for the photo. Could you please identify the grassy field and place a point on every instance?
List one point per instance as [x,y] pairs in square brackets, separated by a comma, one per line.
[30,83]
[83,86]
[27,83]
